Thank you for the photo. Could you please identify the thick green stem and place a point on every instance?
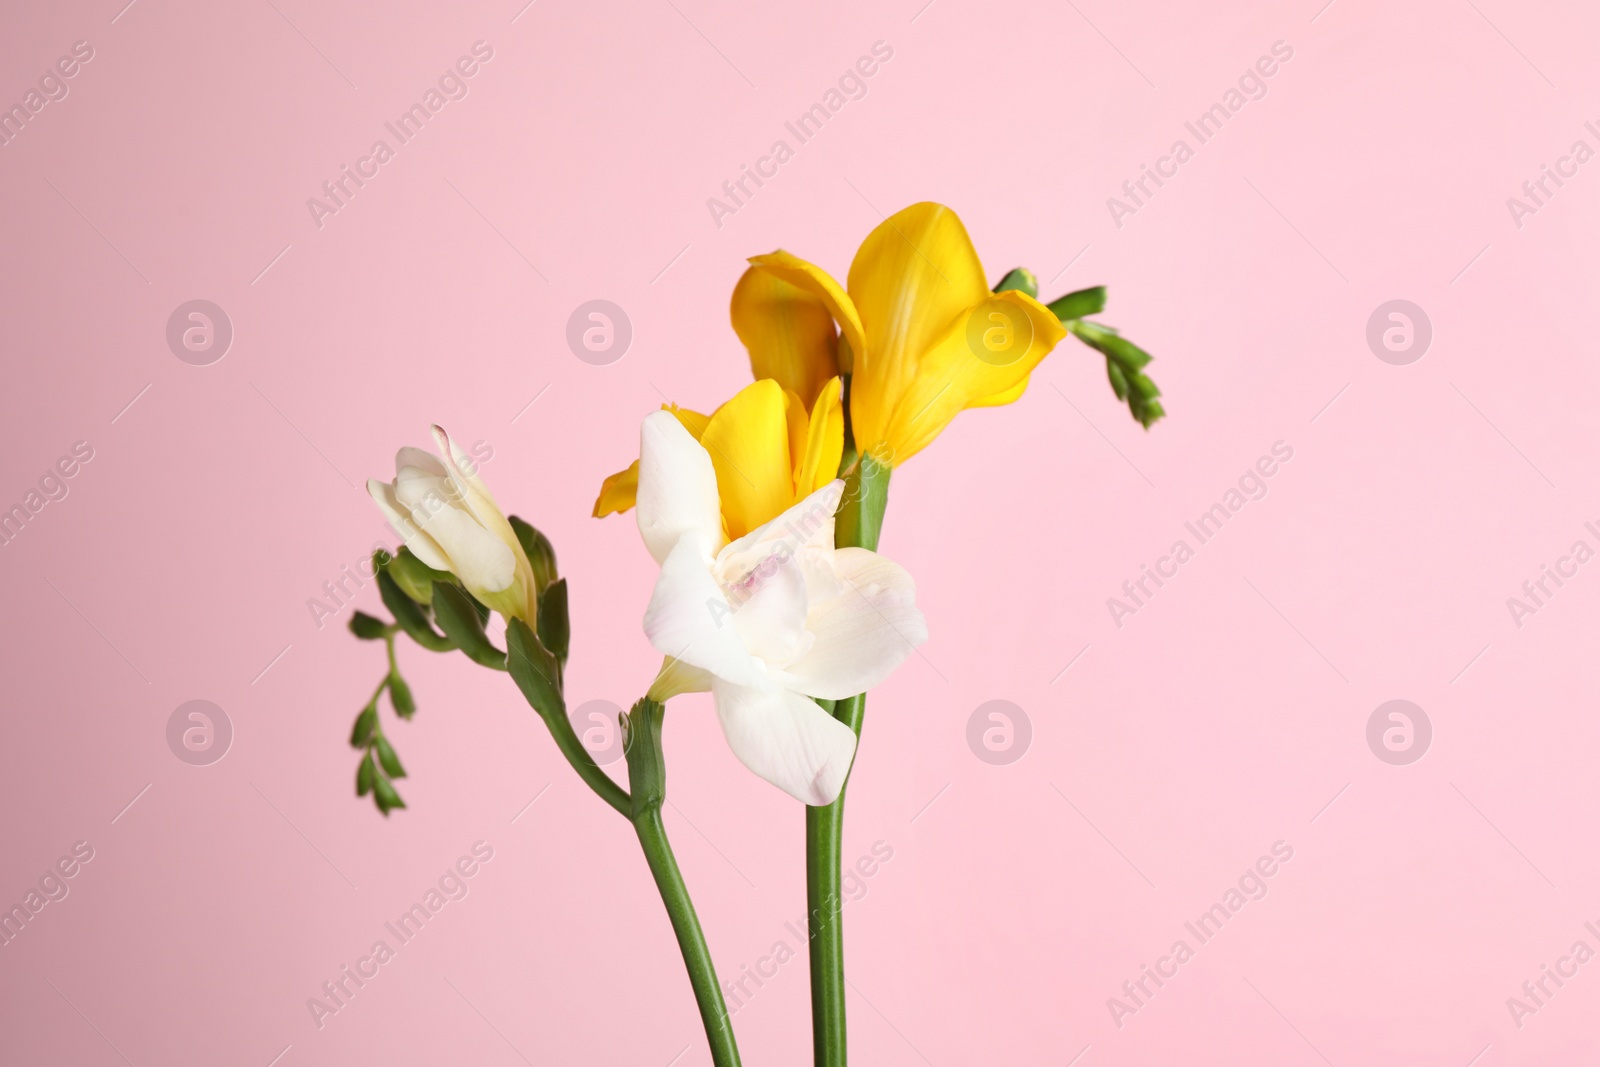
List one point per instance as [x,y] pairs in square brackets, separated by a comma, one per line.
[647,780]
[858,525]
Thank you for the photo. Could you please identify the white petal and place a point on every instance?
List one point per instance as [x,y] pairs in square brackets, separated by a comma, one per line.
[475,496]
[677,487]
[862,634]
[770,608]
[689,618]
[422,546]
[420,459]
[471,493]
[807,524]
[786,739]
[480,559]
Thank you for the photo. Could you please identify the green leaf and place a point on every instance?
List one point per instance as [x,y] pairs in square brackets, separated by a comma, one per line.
[535,671]
[391,762]
[1076,305]
[364,775]
[405,705]
[1022,279]
[368,627]
[555,629]
[458,615]
[385,795]
[409,616]
[366,722]
[540,552]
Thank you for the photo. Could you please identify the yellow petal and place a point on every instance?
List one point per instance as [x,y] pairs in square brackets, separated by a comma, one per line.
[912,277]
[816,281]
[1003,398]
[984,358]
[692,421]
[788,331]
[748,439]
[818,463]
[797,422]
[620,490]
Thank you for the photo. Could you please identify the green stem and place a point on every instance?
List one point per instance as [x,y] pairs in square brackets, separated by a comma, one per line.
[648,782]
[824,842]
[577,753]
[858,525]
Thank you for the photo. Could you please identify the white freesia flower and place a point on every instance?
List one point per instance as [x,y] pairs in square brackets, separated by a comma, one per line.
[770,620]
[442,509]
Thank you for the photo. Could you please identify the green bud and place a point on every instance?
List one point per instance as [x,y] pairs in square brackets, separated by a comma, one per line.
[405,705]
[1119,382]
[459,617]
[1076,305]
[1022,279]
[364,775]
[414,577]
[385,795]
[409,616]
[368,627]
[540,552]
[366,723]
[555,629]
[391,762]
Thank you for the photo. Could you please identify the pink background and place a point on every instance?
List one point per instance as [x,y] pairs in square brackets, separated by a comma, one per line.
[1223,717]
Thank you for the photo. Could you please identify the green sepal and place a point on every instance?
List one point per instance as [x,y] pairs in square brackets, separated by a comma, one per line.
[457,613]
[1021,279]
[409,617]
[385,795]
[365,724]
[535,671]
[540,552]
[364,775]
[368,627]
[405,705]
[390,761]
[555,628]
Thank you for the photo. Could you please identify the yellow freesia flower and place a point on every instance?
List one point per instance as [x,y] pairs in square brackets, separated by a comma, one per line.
[769,449]
[919,331]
